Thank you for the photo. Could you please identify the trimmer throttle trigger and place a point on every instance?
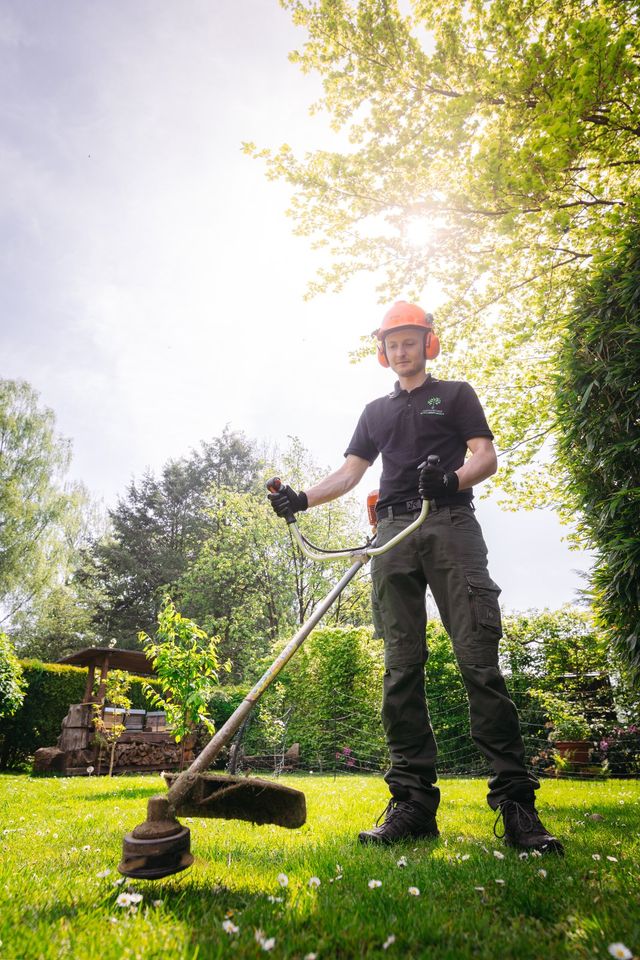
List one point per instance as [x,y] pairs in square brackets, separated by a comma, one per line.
[433,460]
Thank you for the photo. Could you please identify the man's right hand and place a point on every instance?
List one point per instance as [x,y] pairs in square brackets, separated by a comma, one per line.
[286,501]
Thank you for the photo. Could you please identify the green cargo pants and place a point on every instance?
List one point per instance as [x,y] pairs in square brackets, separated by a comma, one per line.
[447,553]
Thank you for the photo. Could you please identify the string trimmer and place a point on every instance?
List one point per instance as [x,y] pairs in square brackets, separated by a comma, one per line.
[160,845]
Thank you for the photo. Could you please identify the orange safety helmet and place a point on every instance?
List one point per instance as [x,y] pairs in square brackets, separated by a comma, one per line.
[403,314]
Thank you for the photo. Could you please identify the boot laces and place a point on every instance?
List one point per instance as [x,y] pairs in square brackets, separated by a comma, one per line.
[388,812]
[396,809]
[526,818]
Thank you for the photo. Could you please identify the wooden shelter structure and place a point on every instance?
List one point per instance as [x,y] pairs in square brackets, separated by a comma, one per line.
[146,745]
[105,659]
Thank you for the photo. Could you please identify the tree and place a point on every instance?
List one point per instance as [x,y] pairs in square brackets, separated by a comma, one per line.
[57,623]
[552,646]
[492,149]
[118,683]
[12,684]
[251,586]
[185,661]
[36,511]
[598,403]
[157,531]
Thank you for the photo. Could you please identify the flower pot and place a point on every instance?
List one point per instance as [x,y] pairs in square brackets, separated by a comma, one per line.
[575,751]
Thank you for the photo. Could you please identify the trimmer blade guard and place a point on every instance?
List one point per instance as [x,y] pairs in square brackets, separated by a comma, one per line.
[243,798]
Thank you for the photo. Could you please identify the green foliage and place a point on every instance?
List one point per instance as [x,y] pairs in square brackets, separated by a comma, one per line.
[567,721]
[334,684]
[554,646]
[12,682]
[620,749]
[158,528]
[250,585]
[34,508]
[598,403]
[488,150]
[117,687]
[58,623]
[186,663]
[447,701]
[50,688]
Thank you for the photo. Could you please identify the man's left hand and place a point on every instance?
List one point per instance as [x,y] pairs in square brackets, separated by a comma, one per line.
[434,483]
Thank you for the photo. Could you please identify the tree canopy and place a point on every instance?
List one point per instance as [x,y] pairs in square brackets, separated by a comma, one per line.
[157,530]
[488,147]
[38,513]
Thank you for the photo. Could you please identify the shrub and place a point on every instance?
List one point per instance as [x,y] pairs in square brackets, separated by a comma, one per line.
[597,394]
[12,684]
[621,750]
[333,686]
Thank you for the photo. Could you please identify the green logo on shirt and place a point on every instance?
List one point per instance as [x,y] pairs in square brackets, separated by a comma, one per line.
[431,409]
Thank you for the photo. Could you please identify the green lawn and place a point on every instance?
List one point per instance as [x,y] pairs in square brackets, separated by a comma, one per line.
[60,837]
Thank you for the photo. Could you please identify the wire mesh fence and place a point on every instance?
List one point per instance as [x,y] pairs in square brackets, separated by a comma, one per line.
[351,740]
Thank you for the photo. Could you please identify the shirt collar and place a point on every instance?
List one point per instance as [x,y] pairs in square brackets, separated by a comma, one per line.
[398,391]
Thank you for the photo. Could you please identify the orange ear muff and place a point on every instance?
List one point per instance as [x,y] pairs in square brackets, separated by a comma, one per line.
[382,357]
[431,346]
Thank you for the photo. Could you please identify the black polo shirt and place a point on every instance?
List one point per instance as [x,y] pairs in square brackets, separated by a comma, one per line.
[407,426]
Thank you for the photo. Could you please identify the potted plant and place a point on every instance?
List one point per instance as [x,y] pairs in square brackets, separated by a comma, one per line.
[571,736]
[569,730]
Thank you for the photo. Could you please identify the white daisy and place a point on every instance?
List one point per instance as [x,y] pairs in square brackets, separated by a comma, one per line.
[620,951]
[374,883]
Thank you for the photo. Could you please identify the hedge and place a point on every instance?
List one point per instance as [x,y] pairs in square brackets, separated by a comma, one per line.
[50,690]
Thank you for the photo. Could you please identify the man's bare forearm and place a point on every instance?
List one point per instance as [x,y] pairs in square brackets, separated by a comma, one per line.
[481,464]
[336,484]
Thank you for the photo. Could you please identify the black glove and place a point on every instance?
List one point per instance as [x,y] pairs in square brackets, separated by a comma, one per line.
[434,483]
[286,501]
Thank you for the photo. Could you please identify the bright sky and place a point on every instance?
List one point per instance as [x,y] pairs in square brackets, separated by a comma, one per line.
[152,289]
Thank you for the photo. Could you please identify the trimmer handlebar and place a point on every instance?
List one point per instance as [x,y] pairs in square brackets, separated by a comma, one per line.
[275,486]
[433,460]
[369,550]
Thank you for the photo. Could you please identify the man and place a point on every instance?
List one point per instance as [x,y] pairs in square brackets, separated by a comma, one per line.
[424,417]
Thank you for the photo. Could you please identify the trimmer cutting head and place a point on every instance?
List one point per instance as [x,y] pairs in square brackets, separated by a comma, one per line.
[161,845]
[158,847]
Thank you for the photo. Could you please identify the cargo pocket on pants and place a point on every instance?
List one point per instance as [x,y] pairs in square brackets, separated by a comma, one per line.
[485,609]
[480,647]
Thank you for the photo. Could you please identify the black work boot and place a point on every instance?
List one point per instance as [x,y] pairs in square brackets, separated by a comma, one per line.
[403,820]
[524,829]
